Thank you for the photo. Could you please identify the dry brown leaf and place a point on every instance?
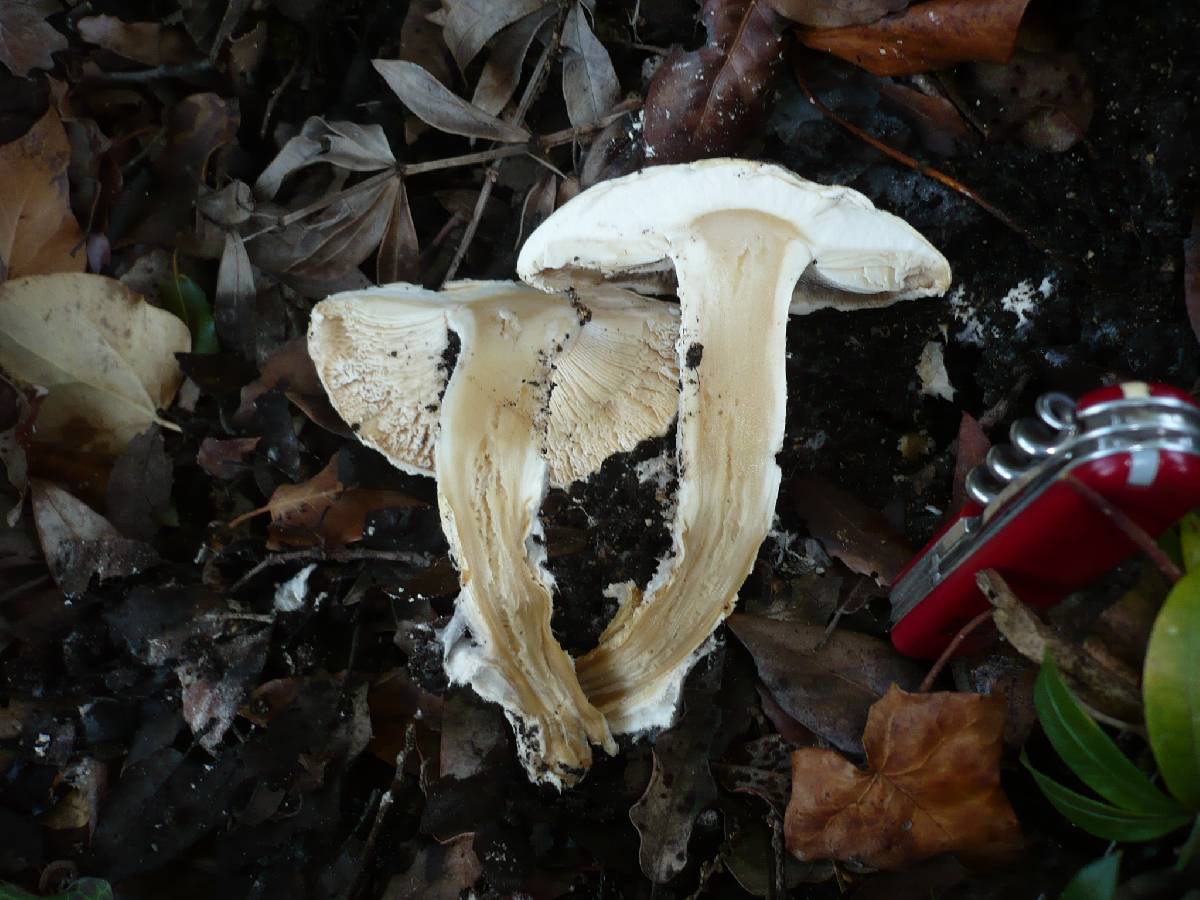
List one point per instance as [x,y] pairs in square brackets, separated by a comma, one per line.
[18,413]
[705,103]
[225,459]
[836,13]
[105,356]
[149,43]
[434,104]
[196,127]
[234,310]
[346,145]
[471,23]
[399,257]
[26,40]
[850,531]
[973,446]
[323,511]
[38,233]
[590,86]
[421,40]
[502,70]
[290,369]
[927,36]
[932,786]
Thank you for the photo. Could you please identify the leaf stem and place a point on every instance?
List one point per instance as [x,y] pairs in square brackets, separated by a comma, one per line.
[950,648]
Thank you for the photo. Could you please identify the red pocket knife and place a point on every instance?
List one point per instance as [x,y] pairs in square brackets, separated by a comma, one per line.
[1136,444]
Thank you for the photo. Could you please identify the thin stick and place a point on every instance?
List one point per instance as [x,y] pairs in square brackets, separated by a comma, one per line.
[914,164]
[143,76]
[950,648]
[320,555]
[1141,538]
[275,95]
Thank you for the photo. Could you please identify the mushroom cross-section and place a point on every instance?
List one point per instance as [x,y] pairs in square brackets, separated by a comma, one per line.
[746,241]
[534,375]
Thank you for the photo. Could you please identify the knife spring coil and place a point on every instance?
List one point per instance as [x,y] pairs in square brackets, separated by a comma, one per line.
[1033,440]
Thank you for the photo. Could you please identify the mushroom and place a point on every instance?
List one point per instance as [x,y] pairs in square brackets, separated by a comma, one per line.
[746,241]
[533,369]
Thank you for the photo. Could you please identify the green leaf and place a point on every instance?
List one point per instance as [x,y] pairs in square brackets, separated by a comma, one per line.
[1095,881]
[12,892]
[83,889]
[1091,753]
[1190,848]
[184,298]
[1189,540]
[1102,819]
[1171,688]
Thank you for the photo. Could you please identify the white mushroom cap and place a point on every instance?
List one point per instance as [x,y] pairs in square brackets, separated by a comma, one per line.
[382,355]
[859,255]
[747,242]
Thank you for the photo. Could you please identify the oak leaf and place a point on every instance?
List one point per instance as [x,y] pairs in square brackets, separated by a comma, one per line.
[932,786]
[38,232]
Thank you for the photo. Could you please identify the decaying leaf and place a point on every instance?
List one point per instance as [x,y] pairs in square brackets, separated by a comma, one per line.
[149,43]
[436,105]
[234,309]
[421,40]
[215,683]
[79,543]
[681,784]
[932,35]
[38,232]
[932,786]
[139,488]
[344,145]
[26,39]
[196,127]
[323,511]
[973,446]
[18,412]
[704,103]
[590,85]
[500,74]
[224,459]
[1044,96]
[105,356]
[849,531]
[836,13]
[290,369]
[828,685]
[399,257]
[471,23]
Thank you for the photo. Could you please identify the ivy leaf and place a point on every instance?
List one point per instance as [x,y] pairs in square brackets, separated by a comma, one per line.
[1095,881]
[1171,687]
[1091,753]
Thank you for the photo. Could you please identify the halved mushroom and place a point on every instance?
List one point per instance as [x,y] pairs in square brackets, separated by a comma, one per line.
[746,242]
[529,372]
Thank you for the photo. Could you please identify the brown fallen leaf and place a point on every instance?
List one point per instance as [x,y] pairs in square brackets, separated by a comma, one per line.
[38,232]
[850,531]
[973,446]
[836,13]
[290,369]
[26,39]
[399,257]
[421,40]
[323,511]
[498,81]
[225,459]
[18,412]
[105,356]
[470,24]
[926,36]
[149,43]
[589,81]
[937,121]
[826,684]
[79,543]
[704,103]
[932,786]
[196,127]
[139,488]
[435,104]
[344,145]
[234,310]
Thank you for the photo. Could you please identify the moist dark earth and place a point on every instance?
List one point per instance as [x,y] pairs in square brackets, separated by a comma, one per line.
[302,796]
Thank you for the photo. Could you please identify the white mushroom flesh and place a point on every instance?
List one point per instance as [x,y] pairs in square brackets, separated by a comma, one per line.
[740,236]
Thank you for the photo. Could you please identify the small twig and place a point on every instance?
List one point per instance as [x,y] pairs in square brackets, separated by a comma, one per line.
[915,164]
[950,648]
[320,555]
[1141,538]
[779,861]
[381,813]
[275,95]
[144,76]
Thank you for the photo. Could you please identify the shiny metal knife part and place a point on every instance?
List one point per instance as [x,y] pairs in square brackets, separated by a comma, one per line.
[1136,444]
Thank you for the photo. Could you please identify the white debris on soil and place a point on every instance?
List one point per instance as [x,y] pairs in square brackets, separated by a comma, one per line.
[290,595]
[657,469]
[931,369]
[1022,301]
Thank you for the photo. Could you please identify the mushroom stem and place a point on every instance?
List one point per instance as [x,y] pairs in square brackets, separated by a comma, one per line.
[491,482]
[735,277]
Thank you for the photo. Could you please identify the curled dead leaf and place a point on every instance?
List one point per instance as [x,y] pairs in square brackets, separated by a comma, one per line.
[932,786]
[435,104]
[38,232]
